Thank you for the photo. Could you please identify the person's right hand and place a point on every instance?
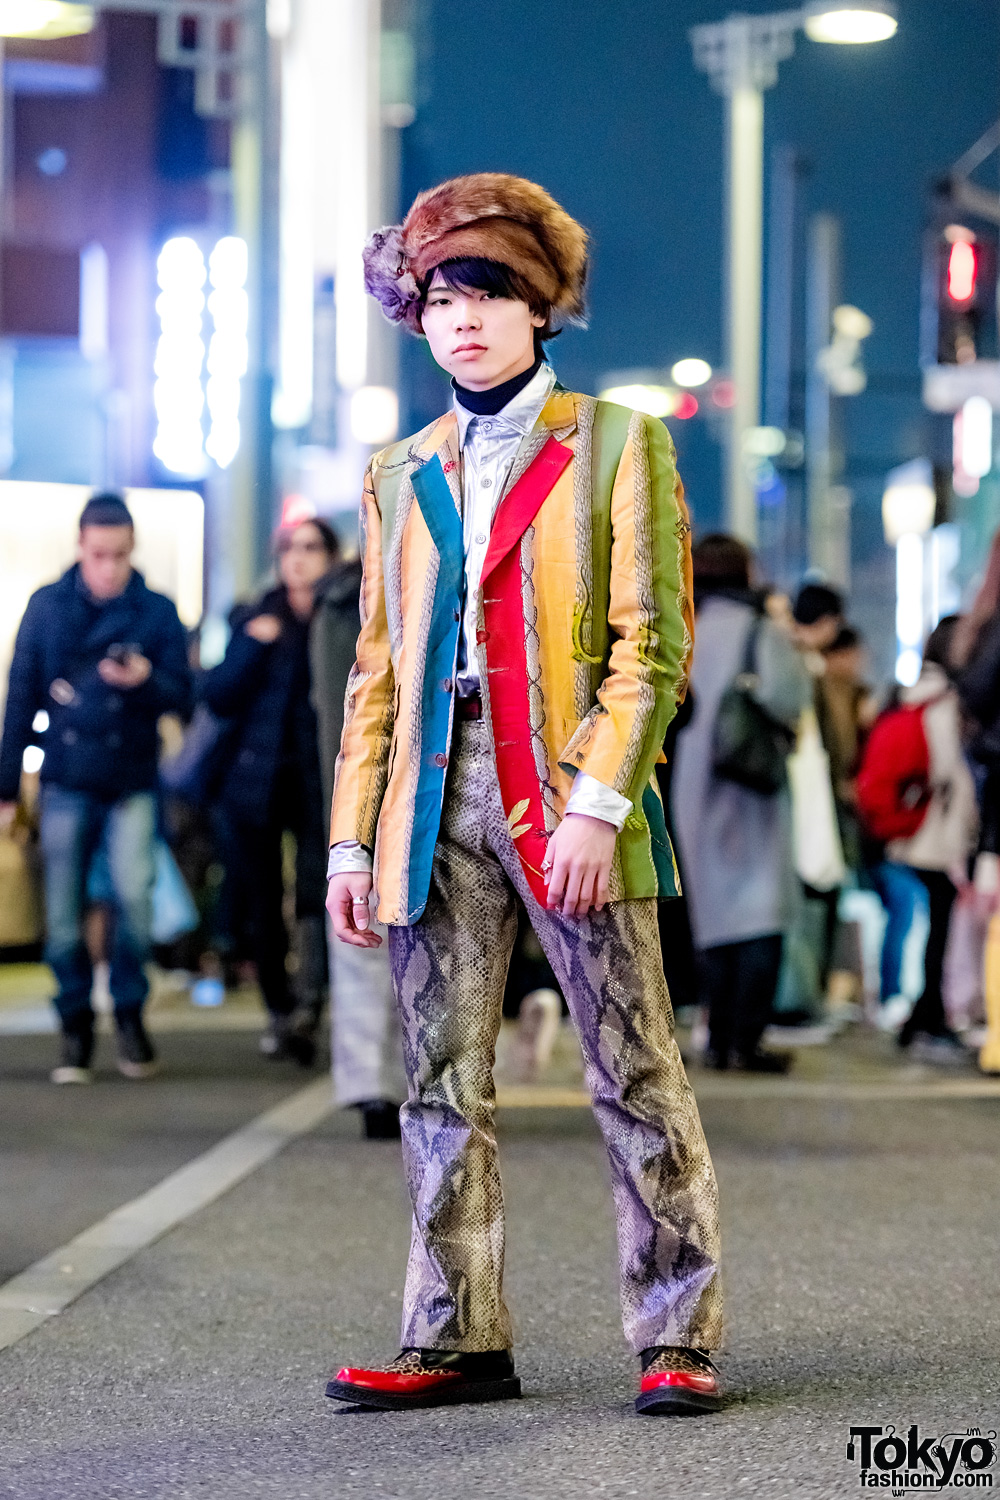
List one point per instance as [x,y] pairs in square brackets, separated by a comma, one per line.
[264,628]
[347,903]
[8,812]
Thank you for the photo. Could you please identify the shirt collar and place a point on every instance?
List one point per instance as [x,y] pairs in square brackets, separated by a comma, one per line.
[520,414]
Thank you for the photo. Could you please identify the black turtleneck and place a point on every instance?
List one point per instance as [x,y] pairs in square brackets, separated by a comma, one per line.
[488,403]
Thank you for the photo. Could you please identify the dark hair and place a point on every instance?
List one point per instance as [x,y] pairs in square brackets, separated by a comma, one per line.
[719,562]
[283,535]
[106,508]
[477,274]
[939,642]
[816,601]
[845,640]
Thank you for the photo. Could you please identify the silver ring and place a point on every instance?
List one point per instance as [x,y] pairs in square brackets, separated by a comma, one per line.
[360,901]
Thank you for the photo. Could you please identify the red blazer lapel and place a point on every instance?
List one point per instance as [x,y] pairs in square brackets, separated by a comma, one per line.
[521,504]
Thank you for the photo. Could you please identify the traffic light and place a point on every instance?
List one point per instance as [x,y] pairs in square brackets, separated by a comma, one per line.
[959,312]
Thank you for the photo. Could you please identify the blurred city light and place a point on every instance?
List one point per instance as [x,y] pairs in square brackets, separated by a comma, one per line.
[654,400]
[374,414]
[724,395]
[851,323]
[763,442]
[686,406]
[908,502]
[855,22]
[691,372]
[228,352]
[976,437]
[31,760]
[180,354]
[909,607]
[44,19]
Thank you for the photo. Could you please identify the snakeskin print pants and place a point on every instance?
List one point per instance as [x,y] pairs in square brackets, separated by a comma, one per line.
[448,972]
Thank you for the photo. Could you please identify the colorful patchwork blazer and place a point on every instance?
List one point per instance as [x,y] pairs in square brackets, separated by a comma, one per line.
[584,640]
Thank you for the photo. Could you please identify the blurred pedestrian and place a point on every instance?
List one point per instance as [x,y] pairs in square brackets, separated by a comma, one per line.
[525,640]
[939,849]
[103,656]
[365,1041]
[846,708]
[273,785]
[735,838]
[817,620]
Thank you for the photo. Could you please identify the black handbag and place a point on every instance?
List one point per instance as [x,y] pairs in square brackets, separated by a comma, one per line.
[749,746]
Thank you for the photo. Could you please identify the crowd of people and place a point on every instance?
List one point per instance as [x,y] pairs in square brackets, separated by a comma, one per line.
[910,815]
[891,794]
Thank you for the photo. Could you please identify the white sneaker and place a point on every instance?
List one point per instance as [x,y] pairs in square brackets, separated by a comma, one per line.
[66,1074]
[893,1012]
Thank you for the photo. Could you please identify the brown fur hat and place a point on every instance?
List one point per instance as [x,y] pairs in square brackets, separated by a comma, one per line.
[487,214]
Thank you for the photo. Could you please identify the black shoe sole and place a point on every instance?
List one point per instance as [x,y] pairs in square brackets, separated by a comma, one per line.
[456,1394]
[674,1401]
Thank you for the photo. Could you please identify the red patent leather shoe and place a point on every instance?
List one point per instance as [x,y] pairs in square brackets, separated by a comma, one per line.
[429,1377]
[677,1382]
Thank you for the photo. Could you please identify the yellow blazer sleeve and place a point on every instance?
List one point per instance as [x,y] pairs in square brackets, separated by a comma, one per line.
[369,708]
[650,616]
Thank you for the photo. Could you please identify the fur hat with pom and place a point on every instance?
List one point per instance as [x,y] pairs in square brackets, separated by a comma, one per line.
[491,215]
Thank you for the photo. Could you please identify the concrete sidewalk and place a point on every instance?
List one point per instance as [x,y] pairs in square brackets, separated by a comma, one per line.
[863,1279]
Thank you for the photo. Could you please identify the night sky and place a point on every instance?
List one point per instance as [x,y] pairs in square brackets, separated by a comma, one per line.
[602,104]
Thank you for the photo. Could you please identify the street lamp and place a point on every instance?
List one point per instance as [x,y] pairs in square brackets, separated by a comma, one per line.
[741,56]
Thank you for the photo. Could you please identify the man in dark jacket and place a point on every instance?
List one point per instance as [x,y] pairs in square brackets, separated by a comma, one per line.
[103,657]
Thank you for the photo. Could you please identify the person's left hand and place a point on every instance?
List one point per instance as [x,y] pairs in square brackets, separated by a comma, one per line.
[577,864]
[130,673]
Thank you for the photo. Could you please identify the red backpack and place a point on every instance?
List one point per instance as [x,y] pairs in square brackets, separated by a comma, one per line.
[893,785]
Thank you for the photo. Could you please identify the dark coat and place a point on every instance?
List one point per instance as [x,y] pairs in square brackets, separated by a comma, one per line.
[262,688]
[333,646]
[104,740]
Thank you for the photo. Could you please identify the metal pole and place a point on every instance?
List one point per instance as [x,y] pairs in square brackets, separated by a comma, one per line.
[741,56]
[744,269]
[254,169]
[825,514]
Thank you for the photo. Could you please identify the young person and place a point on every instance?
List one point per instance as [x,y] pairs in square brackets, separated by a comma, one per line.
[103,656]
[526,630]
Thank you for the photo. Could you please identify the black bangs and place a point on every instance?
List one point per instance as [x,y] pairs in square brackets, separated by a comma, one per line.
[473,273]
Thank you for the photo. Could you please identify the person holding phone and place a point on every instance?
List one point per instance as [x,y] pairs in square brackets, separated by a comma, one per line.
[102,656]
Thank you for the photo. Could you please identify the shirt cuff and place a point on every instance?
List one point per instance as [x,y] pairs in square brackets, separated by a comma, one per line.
[595,800]
[349,858]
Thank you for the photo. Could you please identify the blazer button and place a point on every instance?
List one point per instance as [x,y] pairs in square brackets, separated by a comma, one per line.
[440,760]
[482,636]
[447,685]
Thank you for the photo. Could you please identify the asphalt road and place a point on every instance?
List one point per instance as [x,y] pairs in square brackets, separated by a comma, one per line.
[863,1281]
[70,1155]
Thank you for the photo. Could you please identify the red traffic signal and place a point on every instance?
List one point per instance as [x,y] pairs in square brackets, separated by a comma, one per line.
[963,267]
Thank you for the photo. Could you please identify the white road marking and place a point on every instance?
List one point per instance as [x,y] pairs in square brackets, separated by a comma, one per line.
[52,1283]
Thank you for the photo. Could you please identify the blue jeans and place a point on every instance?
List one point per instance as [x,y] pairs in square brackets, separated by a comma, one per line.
[76,828]
[899,890]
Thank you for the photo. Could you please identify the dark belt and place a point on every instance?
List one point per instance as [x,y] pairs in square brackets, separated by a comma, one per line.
[469,708]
